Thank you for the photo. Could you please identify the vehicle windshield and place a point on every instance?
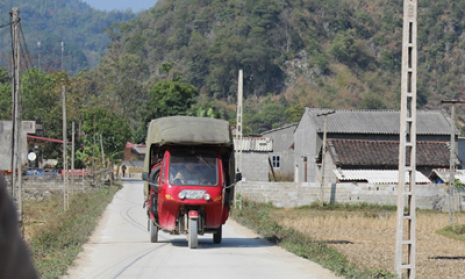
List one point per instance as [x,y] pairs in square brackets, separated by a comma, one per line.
[194,168]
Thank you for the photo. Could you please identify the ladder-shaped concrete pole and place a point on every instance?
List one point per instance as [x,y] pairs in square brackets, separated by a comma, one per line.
[453,160]
[406,218]
[239,123]
[239,138]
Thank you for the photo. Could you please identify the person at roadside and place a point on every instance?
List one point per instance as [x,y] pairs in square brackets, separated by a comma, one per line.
[123,169]
[15,261]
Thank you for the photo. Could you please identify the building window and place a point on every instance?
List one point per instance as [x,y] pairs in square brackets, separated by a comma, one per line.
[276,161]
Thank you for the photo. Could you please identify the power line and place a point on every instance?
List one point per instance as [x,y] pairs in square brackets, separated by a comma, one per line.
[6,25]
[25,45]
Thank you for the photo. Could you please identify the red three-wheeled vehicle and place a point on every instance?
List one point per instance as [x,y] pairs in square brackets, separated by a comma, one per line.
[189,175]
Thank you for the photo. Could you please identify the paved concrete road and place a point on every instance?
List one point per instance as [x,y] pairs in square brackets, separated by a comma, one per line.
[120,248]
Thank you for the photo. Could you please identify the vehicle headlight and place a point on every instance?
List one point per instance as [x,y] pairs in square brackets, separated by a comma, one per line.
[206,197]
[182,195]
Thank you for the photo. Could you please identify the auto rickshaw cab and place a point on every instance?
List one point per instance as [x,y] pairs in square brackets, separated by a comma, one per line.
[189,176]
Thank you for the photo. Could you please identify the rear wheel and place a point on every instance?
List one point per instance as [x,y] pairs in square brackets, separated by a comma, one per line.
[218,236]
[193,240]
[153,232]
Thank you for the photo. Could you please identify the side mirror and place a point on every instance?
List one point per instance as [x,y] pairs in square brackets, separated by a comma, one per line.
[238,177]
[145,176]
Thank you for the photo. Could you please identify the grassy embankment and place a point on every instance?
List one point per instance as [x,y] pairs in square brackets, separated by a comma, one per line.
[358,241]
[54,236]
[259,217]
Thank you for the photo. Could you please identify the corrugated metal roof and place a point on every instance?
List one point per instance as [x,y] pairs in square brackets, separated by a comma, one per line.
[444,175]
[379,121]
[377,176]
[262,144]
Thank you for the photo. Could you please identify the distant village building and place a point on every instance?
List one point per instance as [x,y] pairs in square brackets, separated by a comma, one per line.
[366,140]
[6,138]
[282,155]
[255,157]
[134,152]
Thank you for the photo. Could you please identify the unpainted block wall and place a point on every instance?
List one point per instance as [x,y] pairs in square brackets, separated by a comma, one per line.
[255,166]
[295,194]
[43,187]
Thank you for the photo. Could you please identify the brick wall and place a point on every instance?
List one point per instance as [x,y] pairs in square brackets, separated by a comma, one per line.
[295,194]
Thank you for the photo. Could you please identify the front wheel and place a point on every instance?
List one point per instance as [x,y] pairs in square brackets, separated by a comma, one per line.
[217,236]
[192,239]
[153,232]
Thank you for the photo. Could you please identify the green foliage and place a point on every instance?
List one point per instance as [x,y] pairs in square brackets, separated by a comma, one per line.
[347,206]
[170,98]
[209,112]
[5,95]
[371,101]
[457,233]
[114,129]
[293,47]
[52,22]
[294,113]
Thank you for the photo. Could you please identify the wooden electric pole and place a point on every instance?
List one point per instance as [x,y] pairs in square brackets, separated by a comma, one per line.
[323,151]
[453,160]
[406,220]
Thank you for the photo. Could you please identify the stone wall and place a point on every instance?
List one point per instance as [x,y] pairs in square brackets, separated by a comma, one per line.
[43,187]
[295,194]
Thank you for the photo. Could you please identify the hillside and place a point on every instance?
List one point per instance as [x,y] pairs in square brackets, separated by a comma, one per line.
[51,22]
[316,53]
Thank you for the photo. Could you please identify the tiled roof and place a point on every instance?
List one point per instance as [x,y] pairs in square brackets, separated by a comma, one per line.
[351,152]
[378,121]
[280,128]
[377,176]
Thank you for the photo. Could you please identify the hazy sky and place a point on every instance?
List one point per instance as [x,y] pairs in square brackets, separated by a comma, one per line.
[108,5]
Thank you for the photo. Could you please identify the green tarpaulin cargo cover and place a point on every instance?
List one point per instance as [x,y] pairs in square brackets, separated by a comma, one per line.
[189,130]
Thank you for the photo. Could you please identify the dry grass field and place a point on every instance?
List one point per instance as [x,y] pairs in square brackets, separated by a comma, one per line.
[367,238]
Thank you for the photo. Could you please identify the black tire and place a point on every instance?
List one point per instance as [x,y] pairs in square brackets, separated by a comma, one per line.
[192,237]
[217,237]
[153,232]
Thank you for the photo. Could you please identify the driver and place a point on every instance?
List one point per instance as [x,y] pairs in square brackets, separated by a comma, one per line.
[188,173]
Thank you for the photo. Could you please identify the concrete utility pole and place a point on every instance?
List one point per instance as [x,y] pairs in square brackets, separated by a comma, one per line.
[407,145]
[453,160]
[239,138]
[65,163]
[323,151]
[17,119]
[239,121]
[72,159]
[101,151]
[62,54]
[38,47]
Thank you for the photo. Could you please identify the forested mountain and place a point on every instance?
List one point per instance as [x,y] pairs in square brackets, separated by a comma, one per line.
[51,22]
[183,57]
[294,53]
